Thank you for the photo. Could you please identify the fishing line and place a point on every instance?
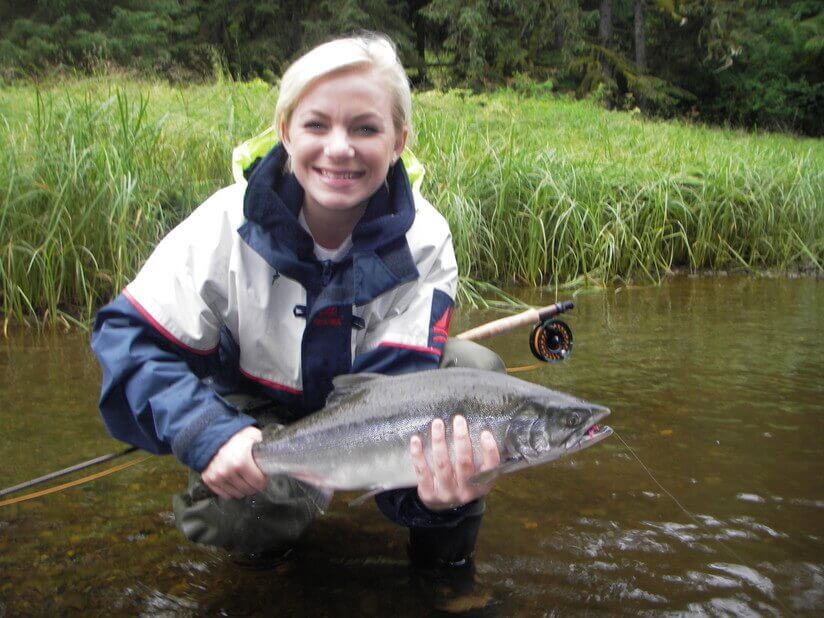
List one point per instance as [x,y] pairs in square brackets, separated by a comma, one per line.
[700,523]
[524,368]
[74,483]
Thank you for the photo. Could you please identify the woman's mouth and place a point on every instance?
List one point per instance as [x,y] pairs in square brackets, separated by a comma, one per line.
[339,174]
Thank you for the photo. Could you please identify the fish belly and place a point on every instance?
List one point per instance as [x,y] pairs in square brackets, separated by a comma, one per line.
[364,467]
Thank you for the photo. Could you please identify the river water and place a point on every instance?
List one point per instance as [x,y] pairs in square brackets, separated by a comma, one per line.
[715,384]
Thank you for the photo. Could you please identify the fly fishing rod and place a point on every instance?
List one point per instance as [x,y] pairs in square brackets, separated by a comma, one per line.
[75,468]
[550,341]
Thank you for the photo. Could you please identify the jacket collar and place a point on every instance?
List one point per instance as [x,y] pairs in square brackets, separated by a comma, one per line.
[380,255]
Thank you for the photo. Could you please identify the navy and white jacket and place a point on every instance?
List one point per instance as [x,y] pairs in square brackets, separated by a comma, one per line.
[234,299]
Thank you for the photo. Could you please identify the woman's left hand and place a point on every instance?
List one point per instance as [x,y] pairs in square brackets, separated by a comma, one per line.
[446,486]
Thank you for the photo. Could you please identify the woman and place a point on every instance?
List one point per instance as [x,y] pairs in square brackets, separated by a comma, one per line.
[322,261]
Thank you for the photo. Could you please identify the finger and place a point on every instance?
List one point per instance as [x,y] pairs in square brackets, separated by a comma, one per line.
[242,485]
[491,458]
[464,463]
[489,449]
[235,488]
[254,476]
[426,484]
[444,473]
[221,493]
[222,488]
[225,483]
[215,488]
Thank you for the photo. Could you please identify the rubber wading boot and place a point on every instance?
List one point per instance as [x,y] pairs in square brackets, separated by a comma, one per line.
[261,561]
[449,546]
[443,567]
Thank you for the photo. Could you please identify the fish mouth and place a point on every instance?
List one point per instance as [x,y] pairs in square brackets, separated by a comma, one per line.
[591,434]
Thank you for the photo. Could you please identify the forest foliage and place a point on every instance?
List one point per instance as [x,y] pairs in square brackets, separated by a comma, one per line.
[753,63]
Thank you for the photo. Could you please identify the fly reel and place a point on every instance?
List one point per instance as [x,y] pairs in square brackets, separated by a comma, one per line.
[551,340]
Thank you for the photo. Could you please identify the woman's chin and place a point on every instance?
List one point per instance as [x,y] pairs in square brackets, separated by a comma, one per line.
[348,204]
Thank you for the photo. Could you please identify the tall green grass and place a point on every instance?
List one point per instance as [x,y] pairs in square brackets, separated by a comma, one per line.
[555,191]
[93,172]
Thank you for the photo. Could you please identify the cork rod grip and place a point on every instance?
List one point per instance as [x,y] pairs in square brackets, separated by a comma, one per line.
[530,316]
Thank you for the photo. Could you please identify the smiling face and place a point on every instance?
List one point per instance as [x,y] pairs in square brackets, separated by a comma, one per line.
[341,140]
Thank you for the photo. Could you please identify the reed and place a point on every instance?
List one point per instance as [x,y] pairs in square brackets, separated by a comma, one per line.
[94,171]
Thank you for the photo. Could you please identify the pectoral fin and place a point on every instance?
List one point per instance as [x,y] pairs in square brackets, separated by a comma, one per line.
[511,465]
[487,476]
[319,497]
[369,494]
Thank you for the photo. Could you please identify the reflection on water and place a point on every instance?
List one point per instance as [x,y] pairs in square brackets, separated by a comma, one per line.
[714,383]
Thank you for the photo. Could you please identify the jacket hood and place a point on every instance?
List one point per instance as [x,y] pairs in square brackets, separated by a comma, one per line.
[271,205]
[273,199]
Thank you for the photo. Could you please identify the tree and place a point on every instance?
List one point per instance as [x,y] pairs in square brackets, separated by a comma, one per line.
[489,41]
[605,34]
[326,19]
[640,40]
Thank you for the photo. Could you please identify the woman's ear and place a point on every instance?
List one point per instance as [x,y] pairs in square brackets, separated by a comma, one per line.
[284,136]
[400,144]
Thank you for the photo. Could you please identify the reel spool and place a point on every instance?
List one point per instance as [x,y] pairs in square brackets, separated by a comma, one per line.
[551,340]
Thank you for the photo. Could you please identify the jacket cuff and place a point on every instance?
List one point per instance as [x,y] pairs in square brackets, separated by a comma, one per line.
[197,443]
[405,508]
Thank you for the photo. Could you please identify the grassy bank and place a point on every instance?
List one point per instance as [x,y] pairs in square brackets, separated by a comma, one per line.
[93,172]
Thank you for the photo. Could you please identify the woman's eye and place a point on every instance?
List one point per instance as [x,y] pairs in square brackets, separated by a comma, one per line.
[313,125]
[367,130]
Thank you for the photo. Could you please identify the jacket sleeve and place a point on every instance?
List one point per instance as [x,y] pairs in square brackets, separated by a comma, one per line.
[159,340]
[154,395]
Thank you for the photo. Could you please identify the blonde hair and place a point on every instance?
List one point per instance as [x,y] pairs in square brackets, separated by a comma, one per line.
[369,51]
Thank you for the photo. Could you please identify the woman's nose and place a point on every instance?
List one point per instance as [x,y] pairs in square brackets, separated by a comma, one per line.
[338,145]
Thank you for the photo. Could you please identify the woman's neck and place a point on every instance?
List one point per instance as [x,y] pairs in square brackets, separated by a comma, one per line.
[330,228]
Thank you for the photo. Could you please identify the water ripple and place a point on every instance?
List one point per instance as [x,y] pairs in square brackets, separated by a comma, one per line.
[754,525]
[816,504]
[747,575]
[594,545]
[727,607]
[755,498]
[594,583]
[808,580]
[709,580]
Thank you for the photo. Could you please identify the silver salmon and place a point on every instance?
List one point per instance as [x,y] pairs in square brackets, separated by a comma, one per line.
[360,439]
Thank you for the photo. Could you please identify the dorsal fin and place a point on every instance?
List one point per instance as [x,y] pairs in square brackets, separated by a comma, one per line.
[348,383]
[270,430]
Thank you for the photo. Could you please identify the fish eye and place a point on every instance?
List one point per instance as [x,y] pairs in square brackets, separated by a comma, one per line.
[572,420]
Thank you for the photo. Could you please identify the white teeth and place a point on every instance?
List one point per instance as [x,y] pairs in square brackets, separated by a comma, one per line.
[339,175]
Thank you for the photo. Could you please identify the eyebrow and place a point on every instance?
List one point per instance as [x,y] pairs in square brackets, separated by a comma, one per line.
[359,117]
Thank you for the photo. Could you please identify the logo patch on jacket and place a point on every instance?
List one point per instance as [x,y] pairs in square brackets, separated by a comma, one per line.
[439,319]
[327,317]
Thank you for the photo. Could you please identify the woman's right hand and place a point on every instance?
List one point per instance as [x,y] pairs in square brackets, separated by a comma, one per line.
[232,472]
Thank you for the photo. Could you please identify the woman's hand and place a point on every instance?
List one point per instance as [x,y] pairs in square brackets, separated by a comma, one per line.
[447,486]
[233,473]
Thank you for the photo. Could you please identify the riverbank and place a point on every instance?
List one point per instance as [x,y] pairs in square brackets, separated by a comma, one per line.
[94,171]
